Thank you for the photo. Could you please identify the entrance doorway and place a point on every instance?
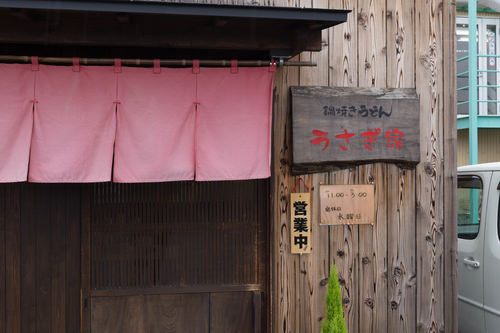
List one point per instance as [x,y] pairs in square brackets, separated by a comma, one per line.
[175,257]
[163,257]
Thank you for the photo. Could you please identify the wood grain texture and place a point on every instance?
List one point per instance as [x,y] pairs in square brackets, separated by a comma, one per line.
[43,245]
[3,252]
[343,47]
[315,267]
[28,259]
[401,250]
[344,244]
[151,313]
[144,235]
[372,44]
[401,183]
[373,254]
[12,259]
[344,239]
[37,279]
[231,312]
[450,166]
[400,44]
[429,184]
[324,113]
[57,230]
[286,274]
[72,258]
[85,258]
[372,71]
[395,244]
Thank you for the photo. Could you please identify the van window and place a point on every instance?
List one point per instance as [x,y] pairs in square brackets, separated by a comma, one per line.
[470,196]
[498,215]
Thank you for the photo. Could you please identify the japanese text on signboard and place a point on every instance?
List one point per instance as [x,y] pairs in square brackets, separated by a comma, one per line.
[300,223]
[347,204]
[393,139]
[354,125]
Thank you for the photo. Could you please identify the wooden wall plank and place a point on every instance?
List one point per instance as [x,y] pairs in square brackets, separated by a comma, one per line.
[400,44]
[174,313]
[320,270]
[450,167]
[12,259]
[344,239]
[401,185]
[343,47]
[43,258]
[3,200]
[315,266]
[231,312]
[85,256]
[372,62]
[429,200]
[72,238]
[307,288]
[344,254]
[151,313]
[373,254]
[28,259]
[286,272]
[316,76]
[371,17]
[380,260]
[57,229]
[401,248]
[118,314]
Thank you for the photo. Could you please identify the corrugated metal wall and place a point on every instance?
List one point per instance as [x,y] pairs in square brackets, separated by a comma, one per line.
[488,146]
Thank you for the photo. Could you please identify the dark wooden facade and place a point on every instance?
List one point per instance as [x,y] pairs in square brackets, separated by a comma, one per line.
[40,258]
[165,257]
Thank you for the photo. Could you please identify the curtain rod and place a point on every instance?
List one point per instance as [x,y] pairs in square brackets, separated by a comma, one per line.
[149,62]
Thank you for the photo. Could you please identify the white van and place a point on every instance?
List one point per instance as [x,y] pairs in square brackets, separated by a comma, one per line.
[479,248]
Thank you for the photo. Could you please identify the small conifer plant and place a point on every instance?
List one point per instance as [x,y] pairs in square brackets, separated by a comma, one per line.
[334,321]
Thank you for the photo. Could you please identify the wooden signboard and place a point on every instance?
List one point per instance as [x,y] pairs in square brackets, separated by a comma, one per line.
[347,204]
[300,226]
[345,125]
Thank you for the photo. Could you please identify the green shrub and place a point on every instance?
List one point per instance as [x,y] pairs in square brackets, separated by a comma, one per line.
[334,320]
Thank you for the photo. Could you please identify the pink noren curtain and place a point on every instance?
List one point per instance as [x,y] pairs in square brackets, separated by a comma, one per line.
[74,124]
[16,121]
[71,123]
[155,133]
[233,124]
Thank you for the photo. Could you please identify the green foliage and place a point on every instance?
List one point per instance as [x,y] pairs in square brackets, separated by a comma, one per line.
[334,321]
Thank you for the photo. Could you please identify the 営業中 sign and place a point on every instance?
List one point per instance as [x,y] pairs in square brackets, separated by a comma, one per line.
[300,227]
[347,204]
[355,125]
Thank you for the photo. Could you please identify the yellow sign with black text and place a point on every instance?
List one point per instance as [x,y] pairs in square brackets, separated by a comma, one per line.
[300,227]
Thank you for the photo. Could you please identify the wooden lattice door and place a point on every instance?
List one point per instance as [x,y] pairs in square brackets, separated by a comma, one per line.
[175,257]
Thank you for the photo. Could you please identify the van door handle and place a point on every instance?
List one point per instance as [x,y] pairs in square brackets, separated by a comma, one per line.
[472,263]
